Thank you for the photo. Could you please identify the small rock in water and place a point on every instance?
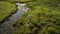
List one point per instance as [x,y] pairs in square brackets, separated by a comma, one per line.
[17,3]
[22,4]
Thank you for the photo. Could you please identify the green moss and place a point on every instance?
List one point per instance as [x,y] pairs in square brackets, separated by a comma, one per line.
[43,18]
[6,8]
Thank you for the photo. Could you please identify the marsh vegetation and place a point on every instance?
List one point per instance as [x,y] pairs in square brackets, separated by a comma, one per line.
[42,18]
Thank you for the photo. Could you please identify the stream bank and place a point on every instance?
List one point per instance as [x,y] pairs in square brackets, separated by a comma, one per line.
[14,17]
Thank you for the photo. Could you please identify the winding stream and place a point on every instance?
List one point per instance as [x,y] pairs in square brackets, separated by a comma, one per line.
[20,12]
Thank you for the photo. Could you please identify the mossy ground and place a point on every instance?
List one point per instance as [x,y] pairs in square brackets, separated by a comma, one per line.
[45,16]
[6,8]
[45,19]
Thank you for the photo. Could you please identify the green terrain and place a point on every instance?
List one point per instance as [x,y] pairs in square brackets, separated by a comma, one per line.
[45,16]
[6,8]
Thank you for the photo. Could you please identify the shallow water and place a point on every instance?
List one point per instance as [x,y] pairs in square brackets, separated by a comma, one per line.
[14,17]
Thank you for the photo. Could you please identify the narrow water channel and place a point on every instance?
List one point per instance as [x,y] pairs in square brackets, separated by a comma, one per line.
[20,12]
